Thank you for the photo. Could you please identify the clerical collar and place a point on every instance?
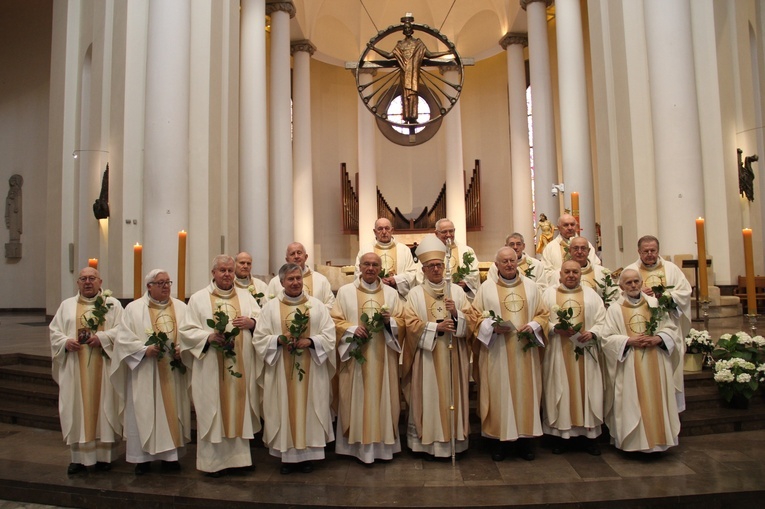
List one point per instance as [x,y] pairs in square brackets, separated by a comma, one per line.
[437,286]
[293,300]
[587,268]
[157,304]
[243,282]
[651,267]
[306,270]
[223,293]
[509,282]
[565,289]
[370,287]
[87,300]
[632,300]
[385,245]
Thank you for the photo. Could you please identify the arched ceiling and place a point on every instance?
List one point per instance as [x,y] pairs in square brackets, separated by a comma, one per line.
[340,29]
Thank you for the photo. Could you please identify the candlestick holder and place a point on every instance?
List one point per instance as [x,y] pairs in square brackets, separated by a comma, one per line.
[705,313]
[753,323]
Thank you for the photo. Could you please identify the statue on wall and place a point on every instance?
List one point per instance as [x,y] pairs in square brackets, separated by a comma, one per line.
[545,232]
[746,175]
[13,216]
[101,205]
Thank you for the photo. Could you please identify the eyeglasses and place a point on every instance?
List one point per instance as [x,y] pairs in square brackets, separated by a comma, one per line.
[446,232]
[87,279]
[438,266]
[161,283]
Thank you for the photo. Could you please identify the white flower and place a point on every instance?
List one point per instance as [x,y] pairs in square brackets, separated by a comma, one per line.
[743,378]
[606,272]
[107,293]
[485,314]
[759,341]
[149,332]
[555,309]
[725,337]
[724,376]
[384,308]
[251,288]
[219,303]
[307,306]
[271,296]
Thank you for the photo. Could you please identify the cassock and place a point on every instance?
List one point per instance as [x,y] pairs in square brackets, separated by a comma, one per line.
[640,404]
[510,380]
[156,396]
[425,370]
[397,260]
[573,389]
[314,284]
[555,253]
[88,405]
[296,413]
[258,287]
[368,393]
[668,274]
[227,407]
[530,268]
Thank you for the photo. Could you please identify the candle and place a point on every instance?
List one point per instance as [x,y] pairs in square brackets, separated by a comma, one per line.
[93,262]
[182,265]
[751,297]
[137,262]
[575,209]
[702,283]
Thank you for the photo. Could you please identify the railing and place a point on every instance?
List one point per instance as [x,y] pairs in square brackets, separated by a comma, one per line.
[427,218]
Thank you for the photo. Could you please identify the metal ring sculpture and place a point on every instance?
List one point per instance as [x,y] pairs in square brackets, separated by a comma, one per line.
[413,64]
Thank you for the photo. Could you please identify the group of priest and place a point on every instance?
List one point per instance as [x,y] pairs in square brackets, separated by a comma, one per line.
[554,346]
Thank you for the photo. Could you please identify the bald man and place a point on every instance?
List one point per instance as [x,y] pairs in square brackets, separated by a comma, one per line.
[557,250]
[245,280]
[397,261]
[314,284]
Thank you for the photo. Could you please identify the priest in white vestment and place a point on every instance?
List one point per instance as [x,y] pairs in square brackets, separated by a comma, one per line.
[468,282]
[595,277]
[156,388]
[640,398]
[572,377]
[400,268]
[437,314]
[82,335]
[368,380]
[245,280]
[314,284]
[296,372]
[527,266]
[223,387]
[656,271]
[557,250]
[509,368]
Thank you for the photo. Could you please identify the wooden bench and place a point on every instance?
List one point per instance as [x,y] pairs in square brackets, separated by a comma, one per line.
[759,287]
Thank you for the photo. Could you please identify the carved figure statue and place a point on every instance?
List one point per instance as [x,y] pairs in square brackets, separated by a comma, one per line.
[101,205]
[409,54]
[746,175]
[13,210]
[545,233]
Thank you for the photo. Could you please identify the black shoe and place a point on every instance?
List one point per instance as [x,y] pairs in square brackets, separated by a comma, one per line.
[216,475]
[558,445]
[143,468]
[170,466]
[287,468]
[498,454]
[592,448]
[75,468]
[524,450]
[103,466]
[306,467]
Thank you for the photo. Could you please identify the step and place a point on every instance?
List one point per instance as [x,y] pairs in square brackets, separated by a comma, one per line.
[27,359]
[27,373]
[707,421]
[43,394]
[29,414]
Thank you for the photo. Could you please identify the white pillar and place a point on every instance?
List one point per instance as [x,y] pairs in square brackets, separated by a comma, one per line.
[301,145]
[545,159]
[166,180]
[367,168]
[455,172]
[520,164]
[574,117]
[281,216]
[253,136]
[675,120]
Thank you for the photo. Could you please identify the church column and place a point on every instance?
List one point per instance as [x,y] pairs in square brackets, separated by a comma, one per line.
[166,142]
[545,159]
[520,165]
[367,167]
[675,120]
[253,136]
[574,118]
[455,172]
[301,146]
[281,216]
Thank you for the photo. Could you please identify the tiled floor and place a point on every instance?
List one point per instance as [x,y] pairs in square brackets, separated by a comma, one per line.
[704,471]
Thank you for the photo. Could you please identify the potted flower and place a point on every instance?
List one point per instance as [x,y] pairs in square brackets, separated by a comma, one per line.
[697,345]
[736,373]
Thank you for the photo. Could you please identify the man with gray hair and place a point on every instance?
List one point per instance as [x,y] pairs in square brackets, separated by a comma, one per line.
[314,284]
[156,388]
[225,394]
[399,270]
[557,250]
[463,264]
[244,278]
[527,266]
